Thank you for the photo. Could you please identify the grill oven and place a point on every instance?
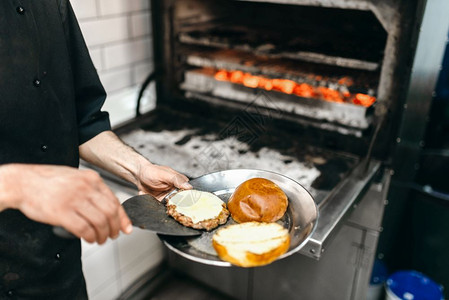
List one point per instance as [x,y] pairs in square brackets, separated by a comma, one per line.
[311,89]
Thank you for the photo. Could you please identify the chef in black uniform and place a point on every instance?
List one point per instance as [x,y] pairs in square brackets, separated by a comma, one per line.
[50,101]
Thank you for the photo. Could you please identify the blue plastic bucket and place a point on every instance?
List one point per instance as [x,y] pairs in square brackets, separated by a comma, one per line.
[412,285]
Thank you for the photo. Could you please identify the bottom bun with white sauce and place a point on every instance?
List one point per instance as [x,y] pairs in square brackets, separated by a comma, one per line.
[251,244]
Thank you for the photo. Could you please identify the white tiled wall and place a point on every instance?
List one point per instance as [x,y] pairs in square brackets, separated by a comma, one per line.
[118,35]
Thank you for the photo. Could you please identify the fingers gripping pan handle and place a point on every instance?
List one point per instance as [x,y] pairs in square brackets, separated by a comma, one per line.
[63,233]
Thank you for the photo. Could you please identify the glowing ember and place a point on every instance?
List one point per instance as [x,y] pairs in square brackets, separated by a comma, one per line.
[363,99]
[300,89]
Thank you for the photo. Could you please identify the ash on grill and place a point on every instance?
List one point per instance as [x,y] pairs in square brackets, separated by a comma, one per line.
[197,146]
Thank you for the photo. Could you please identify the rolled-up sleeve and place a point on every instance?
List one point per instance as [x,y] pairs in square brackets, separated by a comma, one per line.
[89,92]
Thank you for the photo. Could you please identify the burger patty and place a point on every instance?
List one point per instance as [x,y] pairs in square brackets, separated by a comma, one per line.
[208,224]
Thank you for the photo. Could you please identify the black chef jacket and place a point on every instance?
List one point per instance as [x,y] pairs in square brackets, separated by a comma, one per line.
[50,100]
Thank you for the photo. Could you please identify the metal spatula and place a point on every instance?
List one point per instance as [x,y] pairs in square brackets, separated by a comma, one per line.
[148,213]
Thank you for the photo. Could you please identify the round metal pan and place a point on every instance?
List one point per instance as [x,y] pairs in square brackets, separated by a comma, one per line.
[300,219]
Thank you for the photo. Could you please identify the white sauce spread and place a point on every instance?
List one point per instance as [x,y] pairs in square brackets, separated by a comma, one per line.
[197,205]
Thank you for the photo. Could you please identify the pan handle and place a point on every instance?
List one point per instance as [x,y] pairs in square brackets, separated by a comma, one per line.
[63,233]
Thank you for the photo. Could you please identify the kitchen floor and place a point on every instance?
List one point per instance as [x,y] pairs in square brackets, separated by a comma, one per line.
[172,285]
[183,287]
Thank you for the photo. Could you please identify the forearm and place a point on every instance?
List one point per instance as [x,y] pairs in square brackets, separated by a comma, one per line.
[108,152]
[9,191]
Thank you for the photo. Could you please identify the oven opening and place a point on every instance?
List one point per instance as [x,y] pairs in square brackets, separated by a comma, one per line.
[316,64]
